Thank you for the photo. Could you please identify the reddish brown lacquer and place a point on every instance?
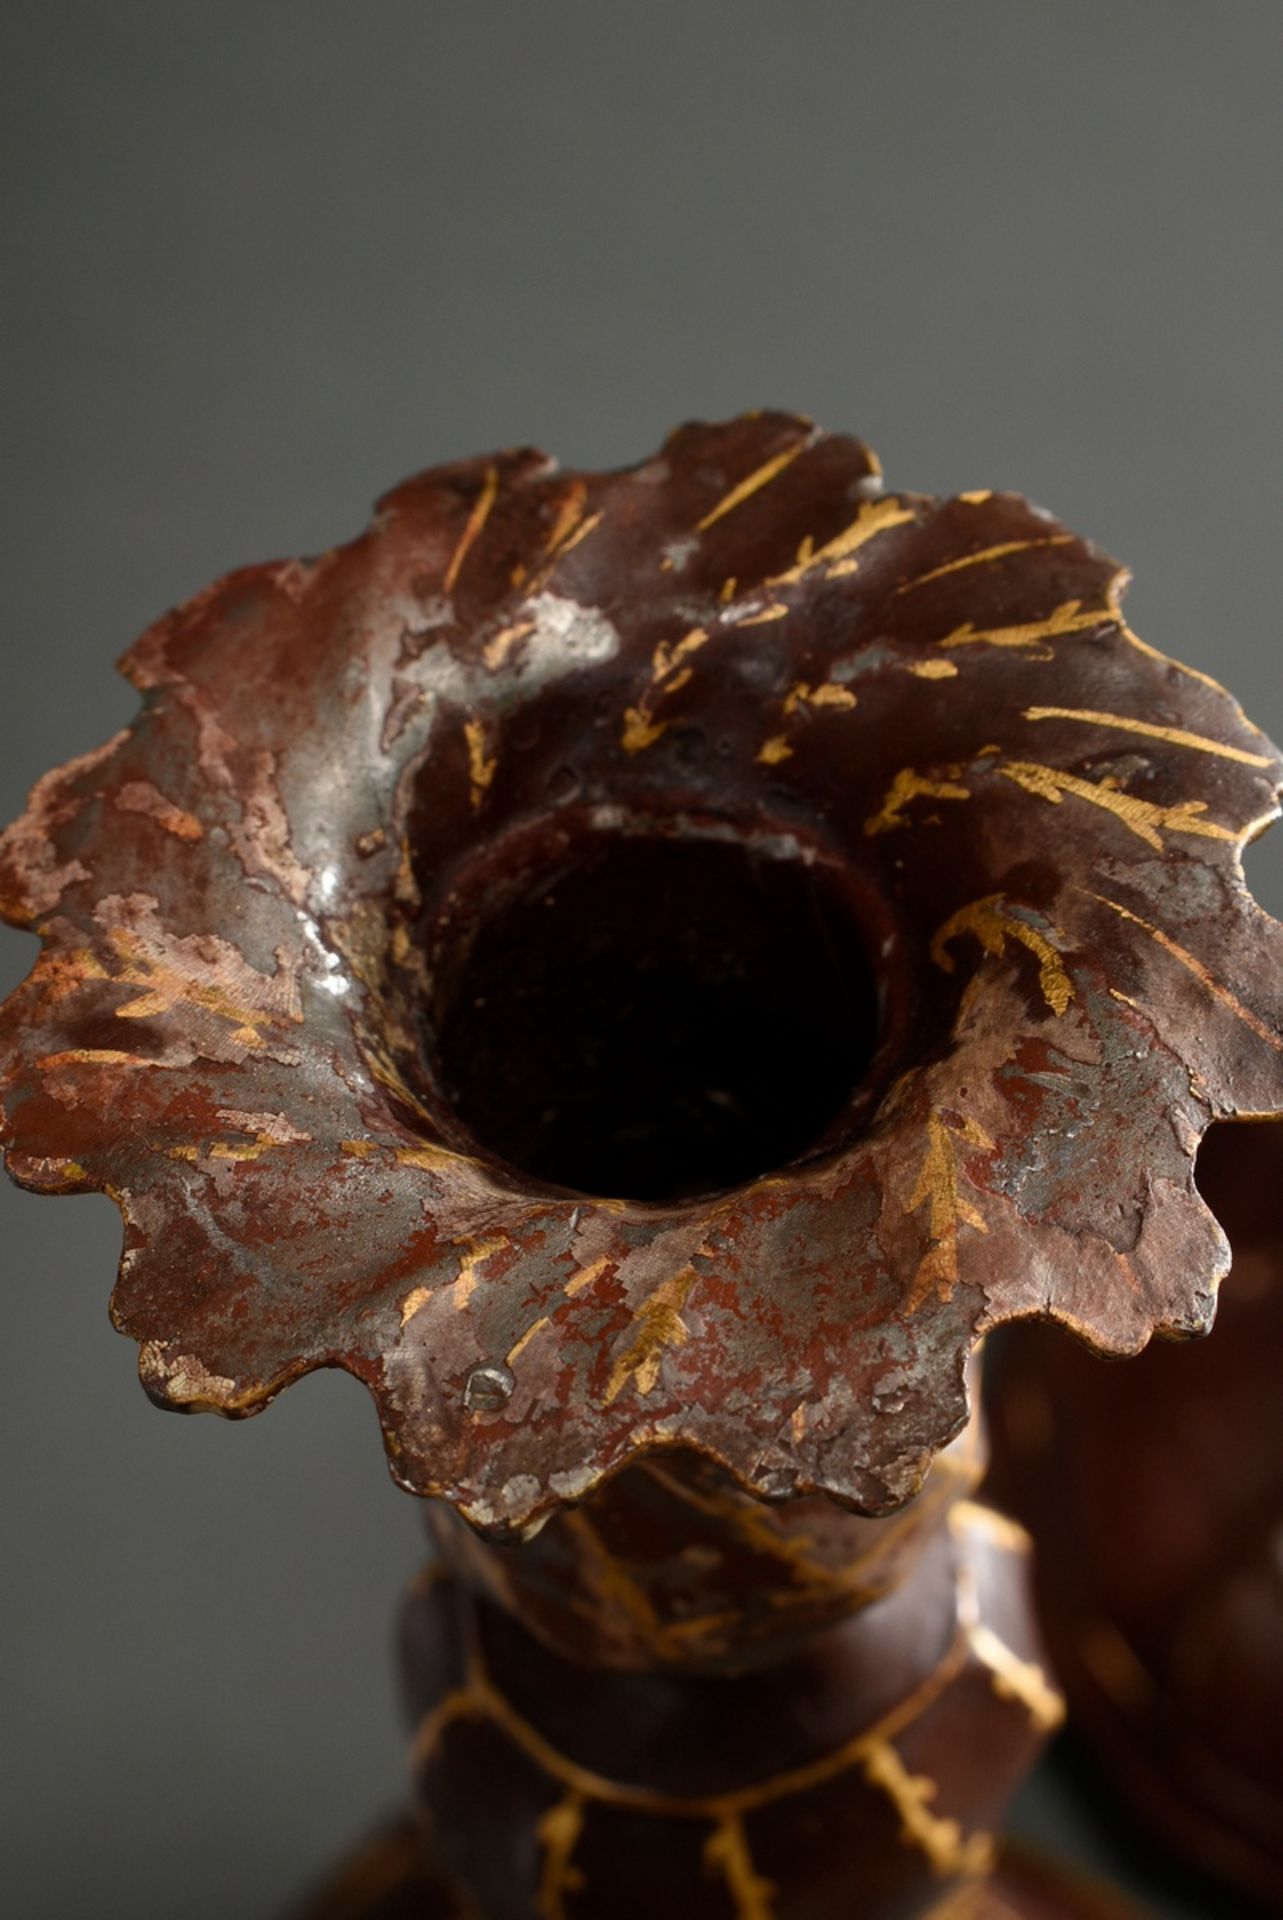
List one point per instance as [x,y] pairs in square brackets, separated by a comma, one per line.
[645,970]
[1156,1494]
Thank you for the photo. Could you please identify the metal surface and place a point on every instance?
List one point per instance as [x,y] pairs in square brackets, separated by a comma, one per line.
[251,905]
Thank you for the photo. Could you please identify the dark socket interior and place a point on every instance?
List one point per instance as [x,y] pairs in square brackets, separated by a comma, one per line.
[658,1018]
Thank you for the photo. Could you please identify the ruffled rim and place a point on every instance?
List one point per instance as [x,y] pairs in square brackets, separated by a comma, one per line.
[939,698]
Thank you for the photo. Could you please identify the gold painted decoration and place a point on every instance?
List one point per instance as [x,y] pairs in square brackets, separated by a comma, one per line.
[963,852]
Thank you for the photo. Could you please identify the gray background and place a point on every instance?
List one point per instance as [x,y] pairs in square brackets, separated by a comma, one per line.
[261,260]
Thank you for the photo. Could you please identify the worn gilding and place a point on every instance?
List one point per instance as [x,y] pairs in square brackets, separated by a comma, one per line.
[241,902]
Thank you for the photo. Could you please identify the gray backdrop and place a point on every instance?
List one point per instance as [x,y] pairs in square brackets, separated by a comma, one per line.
[262,258]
